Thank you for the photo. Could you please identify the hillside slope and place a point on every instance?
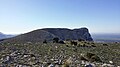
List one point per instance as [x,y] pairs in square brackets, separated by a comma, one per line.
[3,36]
[49,33]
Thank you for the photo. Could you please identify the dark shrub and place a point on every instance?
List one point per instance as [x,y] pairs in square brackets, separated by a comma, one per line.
[66,65]
[67,46]
[89,55]
[95,58]
[83,45]
[83,58]
[68,39]
[92,57]
[73,43]
[32,55]
[44,41]
[2,39]
[105,45]
[61,42]
[93,45]
[79,45]
[55,40]
[81,39]
[75,49]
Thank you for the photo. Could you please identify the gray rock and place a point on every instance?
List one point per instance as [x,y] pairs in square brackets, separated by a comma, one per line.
[89,65]
[7,60]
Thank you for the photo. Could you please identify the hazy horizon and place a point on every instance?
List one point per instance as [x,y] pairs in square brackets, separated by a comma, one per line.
[22,16]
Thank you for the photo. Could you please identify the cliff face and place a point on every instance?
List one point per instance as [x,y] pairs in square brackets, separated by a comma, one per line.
[75,34]
[49,33]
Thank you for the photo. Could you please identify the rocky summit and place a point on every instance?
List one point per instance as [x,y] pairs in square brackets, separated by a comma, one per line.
[49,33]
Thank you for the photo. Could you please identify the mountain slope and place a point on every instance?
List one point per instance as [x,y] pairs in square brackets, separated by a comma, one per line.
[49,33]
[3,36]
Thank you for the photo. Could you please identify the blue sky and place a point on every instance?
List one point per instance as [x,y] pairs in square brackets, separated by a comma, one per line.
[21,16]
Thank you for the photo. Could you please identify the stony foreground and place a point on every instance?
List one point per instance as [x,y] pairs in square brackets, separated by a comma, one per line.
[85,54]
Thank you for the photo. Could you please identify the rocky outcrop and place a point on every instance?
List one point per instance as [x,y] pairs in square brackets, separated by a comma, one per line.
[75,34]
[49,33]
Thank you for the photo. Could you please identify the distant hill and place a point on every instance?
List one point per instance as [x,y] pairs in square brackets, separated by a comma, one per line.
[4,36]
[49,33]
[106,37]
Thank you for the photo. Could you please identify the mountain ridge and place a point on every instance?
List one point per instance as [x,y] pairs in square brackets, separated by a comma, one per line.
[48,34]
[4,36]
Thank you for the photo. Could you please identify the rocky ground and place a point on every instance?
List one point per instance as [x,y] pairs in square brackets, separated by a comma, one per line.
[84,54]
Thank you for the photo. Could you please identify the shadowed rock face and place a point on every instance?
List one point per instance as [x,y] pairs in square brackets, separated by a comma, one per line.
[75,34]
[49,33]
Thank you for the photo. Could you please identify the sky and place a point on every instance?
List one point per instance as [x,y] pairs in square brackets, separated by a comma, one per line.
[21,16]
